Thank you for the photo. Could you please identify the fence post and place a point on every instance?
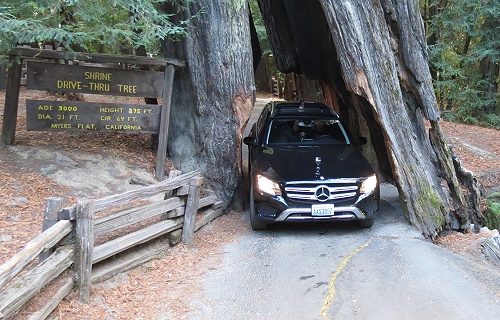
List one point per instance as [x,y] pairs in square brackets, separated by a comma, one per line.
[52,207]
[172,174]
[84,247]
[191,208]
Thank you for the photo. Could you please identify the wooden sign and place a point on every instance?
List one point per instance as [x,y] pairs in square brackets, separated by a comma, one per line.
[86,79]
[44,115]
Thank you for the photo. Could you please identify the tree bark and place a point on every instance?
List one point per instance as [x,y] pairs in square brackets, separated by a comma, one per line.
[376,73]
[213,97]
[370,58]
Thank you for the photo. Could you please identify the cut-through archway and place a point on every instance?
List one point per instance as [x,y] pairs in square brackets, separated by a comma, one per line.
[371,60]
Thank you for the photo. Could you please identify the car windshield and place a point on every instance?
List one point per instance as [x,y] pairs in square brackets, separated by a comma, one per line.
[306,132]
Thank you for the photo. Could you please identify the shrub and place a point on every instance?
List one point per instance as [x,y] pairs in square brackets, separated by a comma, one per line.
[492,214]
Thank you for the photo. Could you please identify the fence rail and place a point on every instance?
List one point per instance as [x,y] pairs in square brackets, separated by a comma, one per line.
[66,247]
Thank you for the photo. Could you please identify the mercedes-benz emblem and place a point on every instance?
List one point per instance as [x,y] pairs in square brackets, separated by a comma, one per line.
[322,193]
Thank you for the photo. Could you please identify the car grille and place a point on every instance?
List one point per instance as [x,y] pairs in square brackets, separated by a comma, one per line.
[322,191]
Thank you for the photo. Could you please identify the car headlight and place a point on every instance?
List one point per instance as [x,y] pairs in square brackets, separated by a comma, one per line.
[368,185]
[268,186]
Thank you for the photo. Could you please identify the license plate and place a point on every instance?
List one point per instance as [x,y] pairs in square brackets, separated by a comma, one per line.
[322,210]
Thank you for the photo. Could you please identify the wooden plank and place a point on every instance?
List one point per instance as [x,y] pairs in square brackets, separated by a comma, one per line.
[161,153]
[11,101]
[134,215]
[128,260]
[95,80]
[183,191]
[20,291]
[23,258]
[217,205]
[44,312]
[95,57]
[131,216]
[133,195]
[52,207]
[42,115]
[177,212]
[84,247]
[172,174]
[191,210]
[207,217]
[207,201]
[69,213]
[130,240]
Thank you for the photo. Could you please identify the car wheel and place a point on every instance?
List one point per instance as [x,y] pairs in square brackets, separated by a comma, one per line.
[254,223]
[366,223]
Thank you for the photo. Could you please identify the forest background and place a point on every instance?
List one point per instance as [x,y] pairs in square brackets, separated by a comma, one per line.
[463,37]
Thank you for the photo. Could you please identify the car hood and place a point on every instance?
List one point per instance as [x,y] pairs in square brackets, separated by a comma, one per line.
[299,163]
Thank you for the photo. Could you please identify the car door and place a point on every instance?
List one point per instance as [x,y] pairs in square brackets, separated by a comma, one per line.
[258,131]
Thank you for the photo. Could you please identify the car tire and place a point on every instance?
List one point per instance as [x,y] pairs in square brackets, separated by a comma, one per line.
[254,223]
[366,223]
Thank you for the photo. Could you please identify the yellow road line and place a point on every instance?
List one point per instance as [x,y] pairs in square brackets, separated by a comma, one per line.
[331,295]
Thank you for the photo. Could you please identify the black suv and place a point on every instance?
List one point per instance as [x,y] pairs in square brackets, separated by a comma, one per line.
[305,166]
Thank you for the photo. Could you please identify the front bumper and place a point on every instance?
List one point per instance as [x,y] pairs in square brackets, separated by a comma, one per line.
[304,214]
[271,209]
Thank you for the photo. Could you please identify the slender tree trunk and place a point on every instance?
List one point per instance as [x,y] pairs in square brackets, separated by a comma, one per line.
[490,73]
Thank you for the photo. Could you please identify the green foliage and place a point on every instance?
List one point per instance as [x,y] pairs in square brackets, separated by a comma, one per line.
[263,39]
[260,27]
[464,38]
[108,26]
[492,214]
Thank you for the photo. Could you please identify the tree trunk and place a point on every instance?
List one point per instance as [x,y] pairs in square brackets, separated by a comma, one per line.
[263,80]
[490,72]
[213,97]
[372,58]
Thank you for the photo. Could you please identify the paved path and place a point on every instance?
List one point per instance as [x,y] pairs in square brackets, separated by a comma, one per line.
[338,271]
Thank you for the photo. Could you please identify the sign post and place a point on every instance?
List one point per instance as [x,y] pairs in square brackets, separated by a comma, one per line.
[164,122]
[45,115]
[11,100]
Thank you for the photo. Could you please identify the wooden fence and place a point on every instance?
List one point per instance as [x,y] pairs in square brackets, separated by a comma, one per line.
[66,247]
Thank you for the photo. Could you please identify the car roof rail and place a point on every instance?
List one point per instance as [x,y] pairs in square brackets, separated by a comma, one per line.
[289,108]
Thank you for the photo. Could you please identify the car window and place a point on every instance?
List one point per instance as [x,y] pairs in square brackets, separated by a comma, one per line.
[261,125]
[306,132]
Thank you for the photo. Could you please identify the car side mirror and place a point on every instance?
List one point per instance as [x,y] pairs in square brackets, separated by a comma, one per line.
[250,141]
[361,141]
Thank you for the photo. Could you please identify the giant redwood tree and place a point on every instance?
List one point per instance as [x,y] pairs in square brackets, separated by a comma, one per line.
[370,58]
